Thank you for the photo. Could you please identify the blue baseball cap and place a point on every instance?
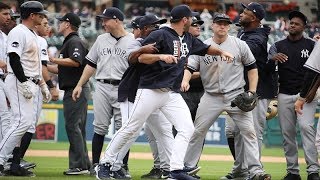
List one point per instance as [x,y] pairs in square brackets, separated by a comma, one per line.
[135,23]
[181,11]
[298,14]
[150,20]
[256,8]
[112,13]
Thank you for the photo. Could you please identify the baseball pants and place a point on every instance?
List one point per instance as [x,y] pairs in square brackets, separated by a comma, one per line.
[288,123]
[5,112]
[147,101]
[210,107]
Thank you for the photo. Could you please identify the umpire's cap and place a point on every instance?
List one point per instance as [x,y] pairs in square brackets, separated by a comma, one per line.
[112,13]
[31,7]
[298,14]
[72,18]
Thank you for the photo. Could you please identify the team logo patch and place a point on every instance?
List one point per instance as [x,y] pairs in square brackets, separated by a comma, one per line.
[76,54]
[44,52]
[15,44]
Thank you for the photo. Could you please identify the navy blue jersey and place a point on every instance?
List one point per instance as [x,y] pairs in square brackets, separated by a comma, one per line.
[163,75]
[291,72]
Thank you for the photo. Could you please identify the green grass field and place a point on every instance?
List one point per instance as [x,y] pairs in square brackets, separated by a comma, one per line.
[52,168]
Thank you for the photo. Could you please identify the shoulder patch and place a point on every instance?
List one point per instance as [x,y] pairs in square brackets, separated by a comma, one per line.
[44,51]
[15,44]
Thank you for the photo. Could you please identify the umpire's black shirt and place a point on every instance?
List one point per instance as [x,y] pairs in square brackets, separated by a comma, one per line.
[74,49]
[291,72]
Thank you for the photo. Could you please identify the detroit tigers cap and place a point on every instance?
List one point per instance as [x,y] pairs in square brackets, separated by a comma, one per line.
[298,14]
[196,20]
[222,17]
[256,8]
[135,23]
[112,13]
[150,20]
[71,18]
[181,11]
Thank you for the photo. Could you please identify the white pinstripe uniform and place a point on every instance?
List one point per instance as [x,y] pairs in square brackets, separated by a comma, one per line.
[23,42]
[5,113]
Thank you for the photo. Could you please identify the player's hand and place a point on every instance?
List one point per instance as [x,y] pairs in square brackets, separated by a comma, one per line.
[25,89]
[45,92]
[169,59]
[54,94]
[280,57]
[3,65]
[52,59]
[76,93]
[226,56]
[185,86]
[149,49]
[298,106]
[316,37]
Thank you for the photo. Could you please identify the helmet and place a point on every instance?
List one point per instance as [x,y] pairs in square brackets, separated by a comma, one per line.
[272,110]
[31,7]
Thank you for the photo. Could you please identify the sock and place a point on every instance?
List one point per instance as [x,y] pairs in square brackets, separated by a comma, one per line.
[126,158]
[25,142]
[97,144]
[16,156]
[231,147]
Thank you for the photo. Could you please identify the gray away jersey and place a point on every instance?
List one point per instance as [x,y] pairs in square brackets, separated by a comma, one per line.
[110,56]
[217,75]
[313,61]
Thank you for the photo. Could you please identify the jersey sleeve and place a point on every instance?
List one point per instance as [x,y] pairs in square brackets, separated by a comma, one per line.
[198,47]
[272,51]
[77,52]
[313,62]
[44,50]
[247,57]
[92,56]
[133,46]
[15,42]
[194,62]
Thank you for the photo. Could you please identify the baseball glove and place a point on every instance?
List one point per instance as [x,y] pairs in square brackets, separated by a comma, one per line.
[272,110]
[245,101]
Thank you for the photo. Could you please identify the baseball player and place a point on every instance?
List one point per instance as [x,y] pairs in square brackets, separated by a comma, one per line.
[5,114]
[291,74]
[157,127]
[71,63]
[135,27]
[220,91]
[23,81]
[159,88]
[108,58]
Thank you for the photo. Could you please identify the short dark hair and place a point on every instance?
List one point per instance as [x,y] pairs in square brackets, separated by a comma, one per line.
[74,28]
[4,6]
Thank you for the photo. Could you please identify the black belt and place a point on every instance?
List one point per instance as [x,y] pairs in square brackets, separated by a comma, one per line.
[109,81]
[34,80]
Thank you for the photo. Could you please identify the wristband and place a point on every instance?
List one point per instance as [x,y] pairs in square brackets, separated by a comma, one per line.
[50,84]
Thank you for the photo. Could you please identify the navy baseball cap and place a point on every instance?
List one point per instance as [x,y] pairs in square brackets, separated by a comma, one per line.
[222,17]
[196,20]
[112,13]
[135,23]
[150,20]
[71,18]
[180,12]
[256,8]
[298,14]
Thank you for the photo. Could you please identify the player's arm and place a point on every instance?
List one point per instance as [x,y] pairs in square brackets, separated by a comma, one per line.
[64,62]
[152,58]
[88,71]
[148,49]
[186,79]
[53,68]
[252,77]
[3,64]
[47,79]
[14,60]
